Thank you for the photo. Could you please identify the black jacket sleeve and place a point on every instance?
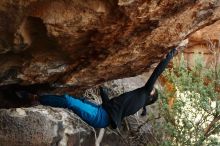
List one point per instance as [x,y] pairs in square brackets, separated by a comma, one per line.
[103,95]
[159,69]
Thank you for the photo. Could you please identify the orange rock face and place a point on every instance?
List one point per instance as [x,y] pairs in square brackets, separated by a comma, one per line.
[207,42]
[76,44]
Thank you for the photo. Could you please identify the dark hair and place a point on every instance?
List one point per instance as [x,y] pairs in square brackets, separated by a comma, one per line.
[153,98]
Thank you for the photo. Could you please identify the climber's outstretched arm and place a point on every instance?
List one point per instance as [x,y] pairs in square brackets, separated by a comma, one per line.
[159,69]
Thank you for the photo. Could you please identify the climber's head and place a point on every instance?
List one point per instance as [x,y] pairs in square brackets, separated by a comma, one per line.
[153,96]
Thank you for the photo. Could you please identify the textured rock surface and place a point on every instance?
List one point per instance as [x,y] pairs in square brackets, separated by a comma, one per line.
[206,41]
[41,126]
[79,43]
[208,33]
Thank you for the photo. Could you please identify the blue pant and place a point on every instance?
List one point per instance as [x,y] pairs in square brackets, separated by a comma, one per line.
[93,114]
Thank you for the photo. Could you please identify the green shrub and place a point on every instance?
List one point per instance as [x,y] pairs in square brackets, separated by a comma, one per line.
[194,118]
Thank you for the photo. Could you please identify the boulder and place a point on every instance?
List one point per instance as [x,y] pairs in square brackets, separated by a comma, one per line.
[41,126]
[75,44]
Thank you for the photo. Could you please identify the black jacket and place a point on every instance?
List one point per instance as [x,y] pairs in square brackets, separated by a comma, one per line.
[130,102]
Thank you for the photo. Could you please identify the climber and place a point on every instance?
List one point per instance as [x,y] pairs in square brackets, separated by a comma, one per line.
[111,111]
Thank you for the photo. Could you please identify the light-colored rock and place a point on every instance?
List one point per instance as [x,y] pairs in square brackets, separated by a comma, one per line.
[41,126]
